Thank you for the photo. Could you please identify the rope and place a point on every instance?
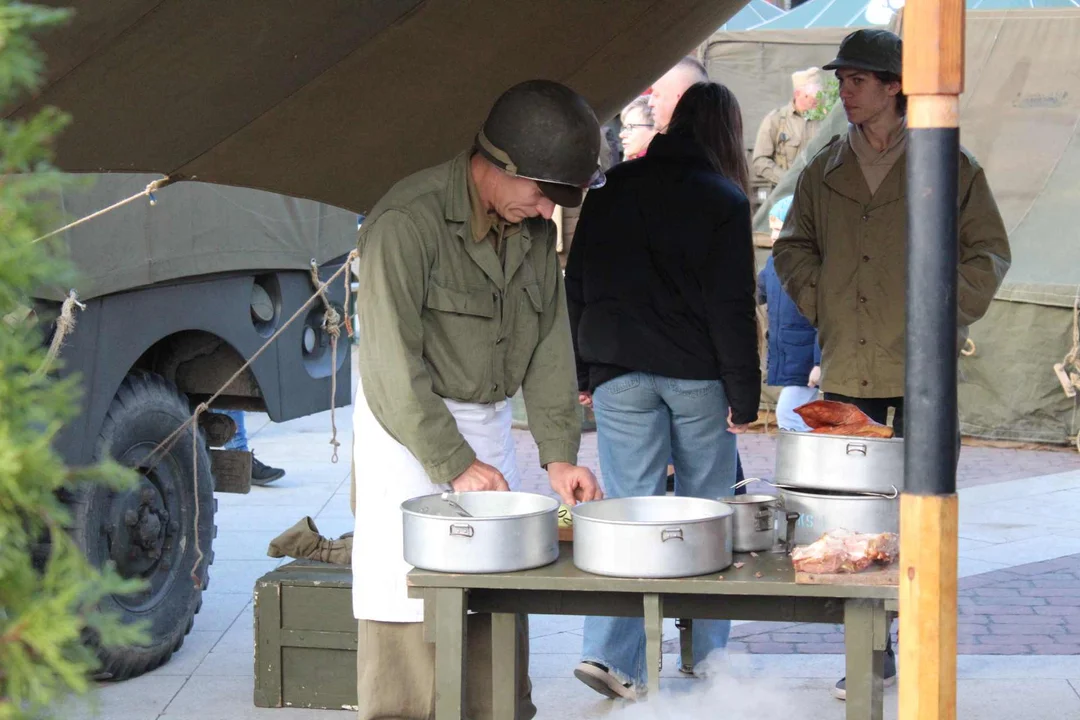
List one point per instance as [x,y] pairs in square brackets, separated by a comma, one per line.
[1071,363]
[199,557]
[331,323]
[148,191]
[64,325]
[166,444]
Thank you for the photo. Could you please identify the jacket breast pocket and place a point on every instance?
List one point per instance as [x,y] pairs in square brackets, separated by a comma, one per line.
[477,303]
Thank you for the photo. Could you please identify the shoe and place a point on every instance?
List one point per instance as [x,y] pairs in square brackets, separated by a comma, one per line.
[600,679]
[839,691]
[263,474]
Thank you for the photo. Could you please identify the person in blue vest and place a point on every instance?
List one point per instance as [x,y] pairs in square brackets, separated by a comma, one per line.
[794,357]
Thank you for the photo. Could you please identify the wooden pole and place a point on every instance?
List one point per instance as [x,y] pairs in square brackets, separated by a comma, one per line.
[933,79]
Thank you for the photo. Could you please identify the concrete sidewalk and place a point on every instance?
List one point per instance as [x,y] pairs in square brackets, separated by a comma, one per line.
[1006,524]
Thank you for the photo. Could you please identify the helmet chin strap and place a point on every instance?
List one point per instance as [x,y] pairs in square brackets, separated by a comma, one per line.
[496,154]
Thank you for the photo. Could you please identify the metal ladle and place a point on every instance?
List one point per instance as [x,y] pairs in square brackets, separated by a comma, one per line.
[443,506]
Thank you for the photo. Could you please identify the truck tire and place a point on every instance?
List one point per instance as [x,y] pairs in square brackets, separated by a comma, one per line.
[148,532]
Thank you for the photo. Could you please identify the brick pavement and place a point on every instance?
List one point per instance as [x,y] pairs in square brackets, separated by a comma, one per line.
[1025,610]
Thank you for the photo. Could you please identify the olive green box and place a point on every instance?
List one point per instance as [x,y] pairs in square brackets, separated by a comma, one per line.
[305,637]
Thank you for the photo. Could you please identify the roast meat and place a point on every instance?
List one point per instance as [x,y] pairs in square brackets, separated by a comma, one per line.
[844,551]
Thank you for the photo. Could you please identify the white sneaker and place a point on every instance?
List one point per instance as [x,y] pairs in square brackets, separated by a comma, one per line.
[600,679]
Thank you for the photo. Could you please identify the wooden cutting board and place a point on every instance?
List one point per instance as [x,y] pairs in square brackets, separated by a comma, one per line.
[566,534]
[889,575]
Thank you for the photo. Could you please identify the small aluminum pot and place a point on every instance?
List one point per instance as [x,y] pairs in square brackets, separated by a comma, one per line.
[820,513]
[652,537]
[754,523]
[506,532]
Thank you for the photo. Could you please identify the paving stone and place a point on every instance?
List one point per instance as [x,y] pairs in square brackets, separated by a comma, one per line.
[770,648]
[997,610]
[1028,620]
[999,629]
[820,648]
[1015,639]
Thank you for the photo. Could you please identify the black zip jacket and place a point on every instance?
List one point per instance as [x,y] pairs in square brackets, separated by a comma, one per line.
[660,277]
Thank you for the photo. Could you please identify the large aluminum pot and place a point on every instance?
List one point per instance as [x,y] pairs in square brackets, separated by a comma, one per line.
[652,537]
[507,531]
[821,512]
[839,463]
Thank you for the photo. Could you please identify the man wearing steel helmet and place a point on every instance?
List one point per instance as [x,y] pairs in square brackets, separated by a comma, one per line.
[461,304]
[842,253]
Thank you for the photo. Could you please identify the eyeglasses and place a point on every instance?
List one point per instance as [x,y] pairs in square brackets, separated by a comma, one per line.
[635,126]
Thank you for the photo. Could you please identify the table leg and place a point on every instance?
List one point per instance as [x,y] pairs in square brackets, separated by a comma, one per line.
[450,644]
[504,670]
[654,637]
[864,637]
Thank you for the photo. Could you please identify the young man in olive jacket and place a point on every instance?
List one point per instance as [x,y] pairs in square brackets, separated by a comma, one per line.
[842,254]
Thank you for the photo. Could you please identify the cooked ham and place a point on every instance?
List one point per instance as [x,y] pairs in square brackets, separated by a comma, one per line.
[843,551]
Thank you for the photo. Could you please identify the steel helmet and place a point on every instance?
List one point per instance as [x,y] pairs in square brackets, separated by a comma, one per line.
[544,131]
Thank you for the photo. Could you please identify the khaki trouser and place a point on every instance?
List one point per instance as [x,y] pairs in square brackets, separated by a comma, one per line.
[395,671]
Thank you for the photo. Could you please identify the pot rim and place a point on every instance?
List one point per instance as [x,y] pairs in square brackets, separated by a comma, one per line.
[760,498]
[482,518]
[829,495]
[724,510]
[848,438]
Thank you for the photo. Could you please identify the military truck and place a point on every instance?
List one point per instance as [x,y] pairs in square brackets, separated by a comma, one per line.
[178,295]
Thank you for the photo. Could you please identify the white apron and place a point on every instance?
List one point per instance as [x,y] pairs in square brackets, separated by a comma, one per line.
[387,475]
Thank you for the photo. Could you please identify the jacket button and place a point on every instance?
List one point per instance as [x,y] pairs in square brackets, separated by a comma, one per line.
[865,218]
[862,341]
[865,383]
[499,341]
[866,258]
[862,299]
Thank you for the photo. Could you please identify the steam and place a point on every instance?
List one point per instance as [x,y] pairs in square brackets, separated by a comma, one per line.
[721,695]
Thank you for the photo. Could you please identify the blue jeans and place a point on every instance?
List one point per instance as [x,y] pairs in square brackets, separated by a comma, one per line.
[239,440]
[643,420]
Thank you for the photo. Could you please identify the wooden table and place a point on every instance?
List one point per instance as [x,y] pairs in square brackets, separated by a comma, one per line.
[763,589]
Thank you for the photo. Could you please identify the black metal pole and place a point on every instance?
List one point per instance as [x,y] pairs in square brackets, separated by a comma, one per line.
[930,402]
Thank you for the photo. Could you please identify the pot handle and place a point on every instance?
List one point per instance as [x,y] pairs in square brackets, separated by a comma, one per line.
[856,448]
[461,530]
[788,544]
[671,534]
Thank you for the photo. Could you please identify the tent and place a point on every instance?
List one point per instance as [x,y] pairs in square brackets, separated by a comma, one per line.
[756,12]
[1020,117]
[865,13]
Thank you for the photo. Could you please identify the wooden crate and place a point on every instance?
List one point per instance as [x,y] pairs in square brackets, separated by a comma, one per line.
[305,637]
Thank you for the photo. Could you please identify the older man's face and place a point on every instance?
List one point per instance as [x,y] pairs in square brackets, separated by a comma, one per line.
[515,199]
[806,98]
[666,93]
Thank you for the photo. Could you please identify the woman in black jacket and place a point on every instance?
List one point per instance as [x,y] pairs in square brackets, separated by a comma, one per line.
[661,291]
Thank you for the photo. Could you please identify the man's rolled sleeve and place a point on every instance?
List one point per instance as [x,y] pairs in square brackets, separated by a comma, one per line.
[550,383]
[393,270]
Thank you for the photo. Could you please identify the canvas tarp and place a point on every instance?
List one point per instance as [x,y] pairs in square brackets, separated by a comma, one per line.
[1019,116]
[192,229]
[336,100]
